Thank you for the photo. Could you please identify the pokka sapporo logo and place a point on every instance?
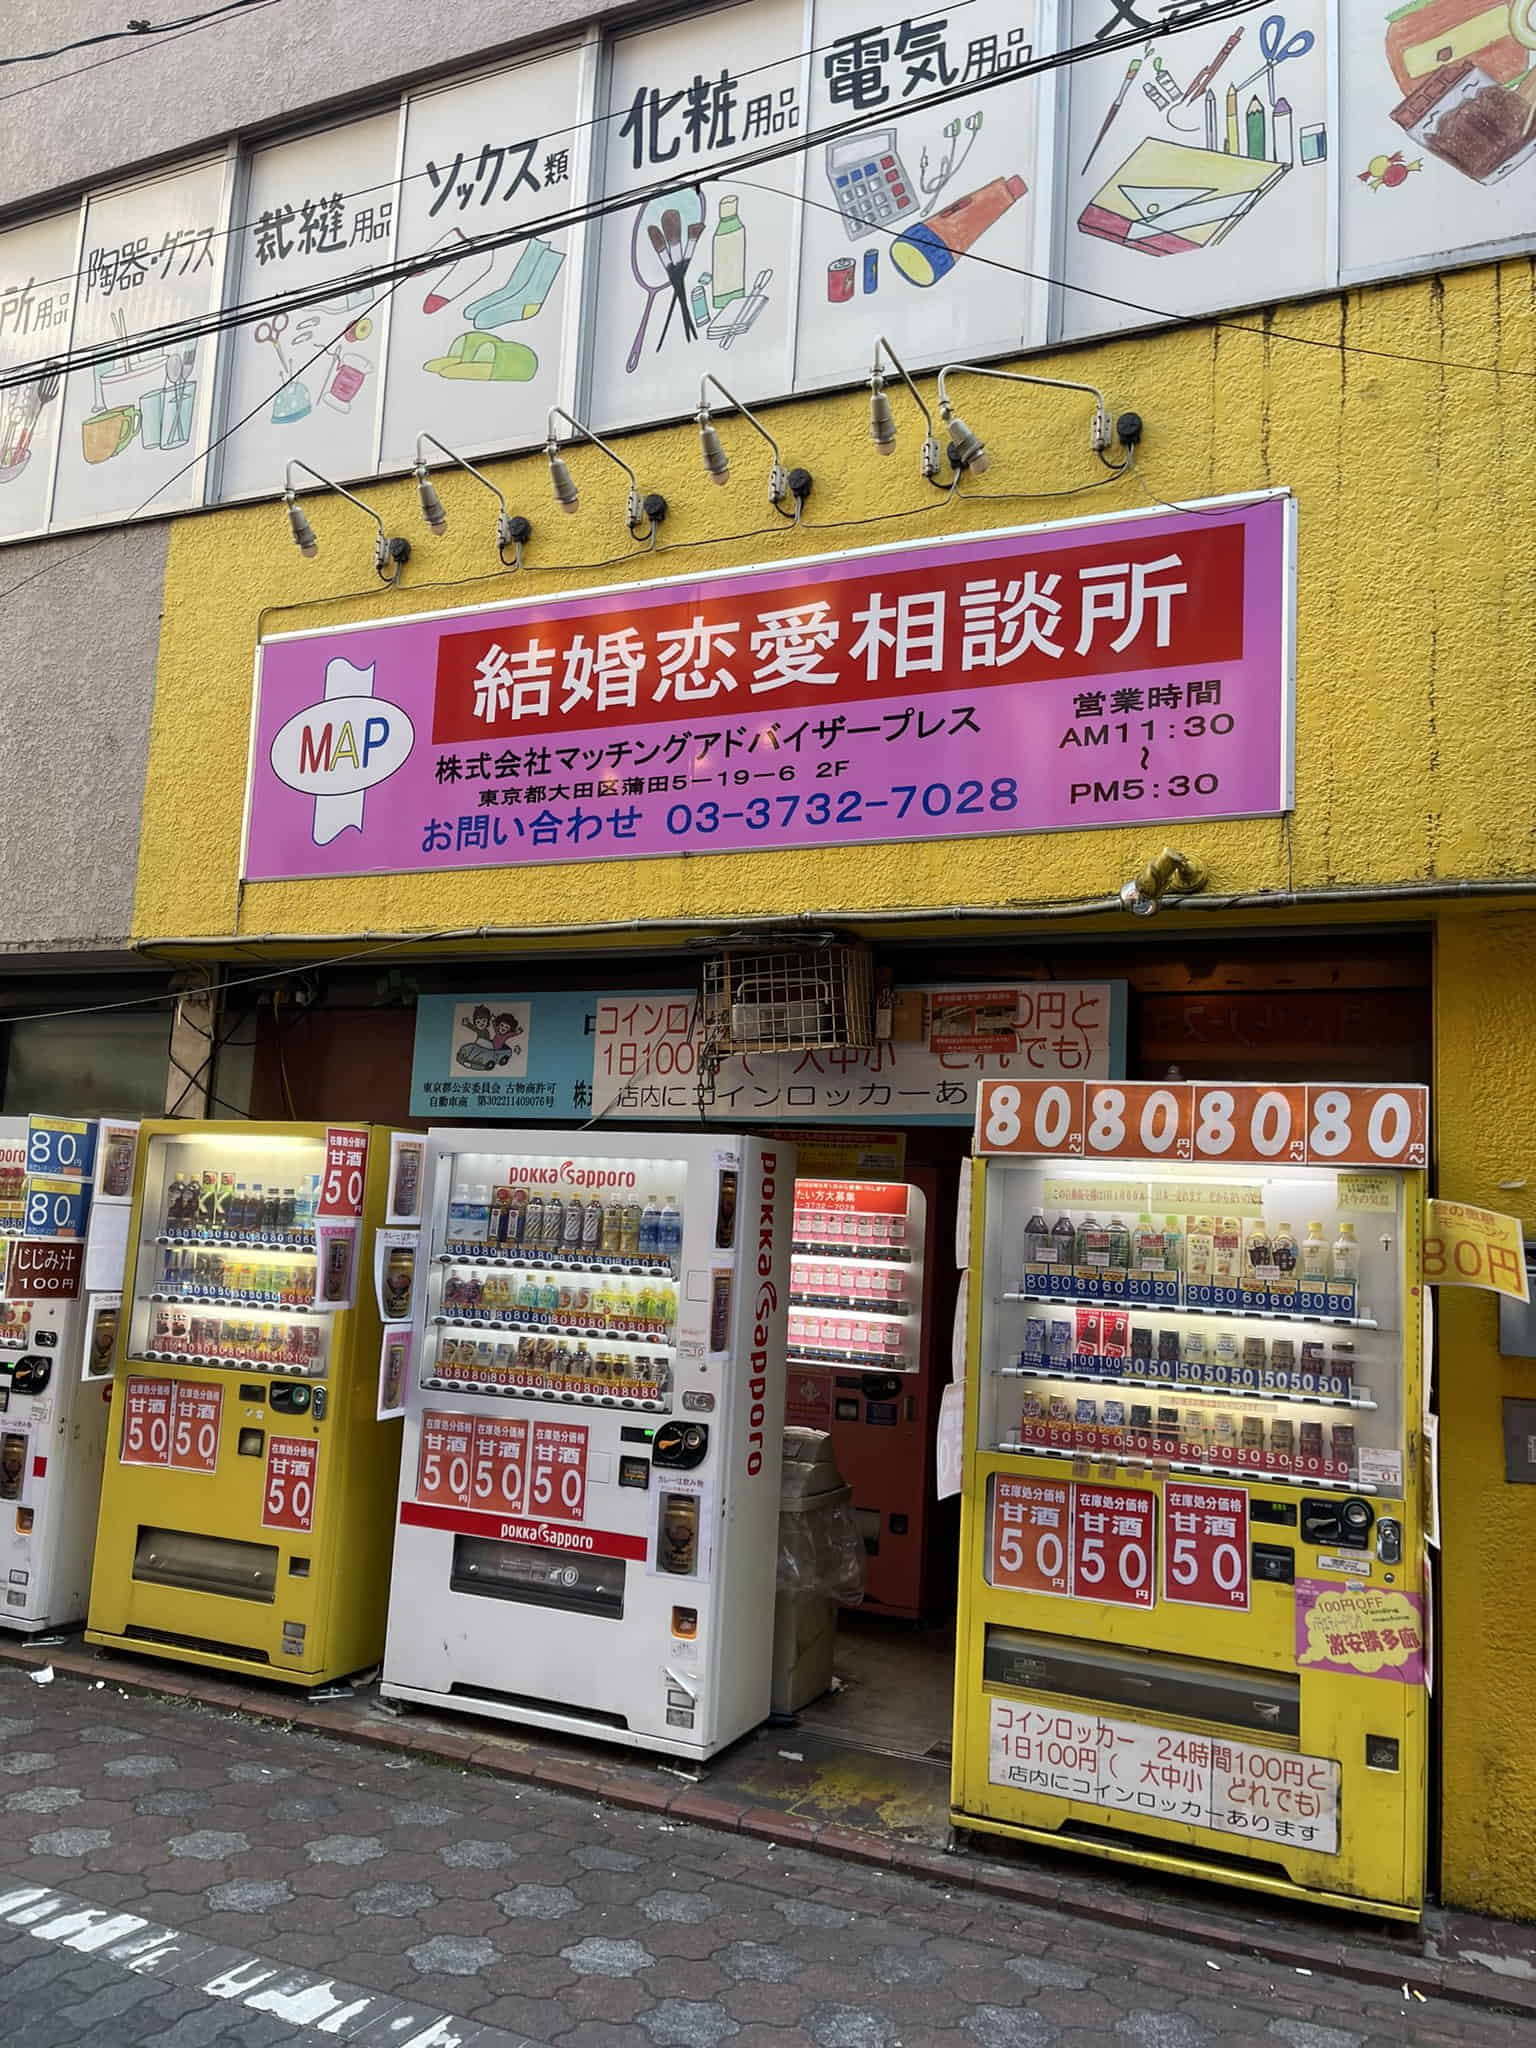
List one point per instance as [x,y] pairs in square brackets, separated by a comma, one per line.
[341,747]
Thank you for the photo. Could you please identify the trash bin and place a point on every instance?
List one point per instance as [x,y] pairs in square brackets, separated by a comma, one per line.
[821,1563]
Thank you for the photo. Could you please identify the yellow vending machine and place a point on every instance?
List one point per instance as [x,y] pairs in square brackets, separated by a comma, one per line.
[1194,1627]
[248,1498]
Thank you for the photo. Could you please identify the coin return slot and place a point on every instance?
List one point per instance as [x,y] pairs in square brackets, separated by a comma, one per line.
[251,1443]
[298,1567]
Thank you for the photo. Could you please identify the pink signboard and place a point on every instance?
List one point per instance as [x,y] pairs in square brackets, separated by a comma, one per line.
[1111,672]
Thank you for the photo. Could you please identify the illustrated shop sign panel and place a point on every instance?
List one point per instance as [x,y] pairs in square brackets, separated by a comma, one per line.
[1165,1774]
[1197,172]
[1114,672]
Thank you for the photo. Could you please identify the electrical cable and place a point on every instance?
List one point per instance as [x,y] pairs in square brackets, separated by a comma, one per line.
[399,269]
[135,31]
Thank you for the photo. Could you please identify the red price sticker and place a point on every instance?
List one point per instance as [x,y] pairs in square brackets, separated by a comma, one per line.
[1031,1525]
[1205,1545]
[443,1467]
[146,1421]
[1136,1119]
[500,1474]
[288,1501]
[558,1480]
[346,1166]
[1041,1117]
[1114,1542]
[1367,1126]
[1244,1123]
[197,1409]
[43,1272]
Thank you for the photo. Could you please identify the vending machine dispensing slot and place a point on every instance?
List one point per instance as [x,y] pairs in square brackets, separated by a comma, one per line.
[523,1571]
[1220,1697]
[206,1564]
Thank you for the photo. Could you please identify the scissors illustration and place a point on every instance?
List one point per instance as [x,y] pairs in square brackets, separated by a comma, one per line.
[1277,47]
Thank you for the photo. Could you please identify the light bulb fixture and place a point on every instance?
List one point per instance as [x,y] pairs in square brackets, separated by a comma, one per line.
[511,532]
[794,484]
[642,515]
[1143,895]
[390,553]
[968,452]
[882,420]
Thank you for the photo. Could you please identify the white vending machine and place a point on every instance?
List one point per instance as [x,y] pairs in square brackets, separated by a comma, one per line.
[65,1185]
[589,1486]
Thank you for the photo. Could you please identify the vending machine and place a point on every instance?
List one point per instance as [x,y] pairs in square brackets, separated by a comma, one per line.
[249,1484]
[858,1365]
[589,1486]
[1194,1615]
[64,1187]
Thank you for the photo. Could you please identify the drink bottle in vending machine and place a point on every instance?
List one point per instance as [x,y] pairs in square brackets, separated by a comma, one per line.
[589,1484]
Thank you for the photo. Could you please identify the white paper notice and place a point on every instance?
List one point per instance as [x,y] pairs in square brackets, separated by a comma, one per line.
[951,1442]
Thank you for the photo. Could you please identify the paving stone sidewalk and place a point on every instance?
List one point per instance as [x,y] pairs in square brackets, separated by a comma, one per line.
[495,1914]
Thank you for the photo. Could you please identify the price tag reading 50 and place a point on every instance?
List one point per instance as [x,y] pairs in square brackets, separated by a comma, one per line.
[346,1167]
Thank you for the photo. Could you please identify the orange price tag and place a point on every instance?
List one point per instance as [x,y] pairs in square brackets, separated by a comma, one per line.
[1040,1117]
[1031,1522]
[1250,1125]
[1137,1119]
[1349,1126]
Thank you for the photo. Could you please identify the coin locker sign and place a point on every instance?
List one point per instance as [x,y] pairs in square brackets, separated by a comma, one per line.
[1236,1788]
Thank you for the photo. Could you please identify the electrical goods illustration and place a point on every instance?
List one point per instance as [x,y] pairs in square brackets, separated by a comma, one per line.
[64,1186]
[1194,1596]
[249,1481]
[858,1366]
[589,1484]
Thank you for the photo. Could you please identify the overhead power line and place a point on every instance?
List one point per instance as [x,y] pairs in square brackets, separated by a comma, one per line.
[399,269]
[135,31]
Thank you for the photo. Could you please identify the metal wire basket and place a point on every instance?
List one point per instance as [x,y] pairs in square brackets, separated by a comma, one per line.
[792,1001]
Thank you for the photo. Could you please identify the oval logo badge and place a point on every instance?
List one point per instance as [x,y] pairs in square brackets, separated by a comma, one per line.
[342,745]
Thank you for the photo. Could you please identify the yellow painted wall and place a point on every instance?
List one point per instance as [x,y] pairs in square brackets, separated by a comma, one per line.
[1417,564]
[1416,760]
[1485,1096]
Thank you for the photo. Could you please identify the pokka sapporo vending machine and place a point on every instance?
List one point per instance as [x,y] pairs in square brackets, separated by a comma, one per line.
[1193,1627]
[589,1484]
[64,1188]
[249,1484]
[858,1366]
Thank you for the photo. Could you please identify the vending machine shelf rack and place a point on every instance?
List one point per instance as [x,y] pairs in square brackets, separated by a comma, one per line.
[1201,1389]
[269,1304]
[853,1361]
[846,1248]
[285,1367]
[290,1247]
[1013,1448]
[508,1326]
[580,1269]
[657,1406]
[1173,1308]
[887,1312]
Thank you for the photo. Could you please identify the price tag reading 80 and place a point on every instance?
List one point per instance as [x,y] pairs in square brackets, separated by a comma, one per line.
[1140,1119]
[1030,1117]
[1243,1121]
[1368,1126]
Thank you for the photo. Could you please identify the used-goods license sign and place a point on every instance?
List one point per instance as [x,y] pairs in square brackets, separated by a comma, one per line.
[1111,672]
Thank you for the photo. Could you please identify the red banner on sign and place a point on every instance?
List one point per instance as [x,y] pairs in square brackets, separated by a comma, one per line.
[1031,1529]
[288,1500]
[552,1536]
[1114,1544]
[558,1479]
[616,665]
[346,1166]
[861,1197]
[146,1438]
[1205,1545]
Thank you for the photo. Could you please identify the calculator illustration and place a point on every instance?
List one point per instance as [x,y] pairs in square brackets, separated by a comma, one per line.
[870,182]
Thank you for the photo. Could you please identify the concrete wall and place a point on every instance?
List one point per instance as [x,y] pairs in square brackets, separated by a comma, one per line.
[168,94]
[79,626]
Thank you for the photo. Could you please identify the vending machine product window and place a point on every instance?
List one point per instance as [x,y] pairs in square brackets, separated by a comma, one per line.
[593,1435]
[1192,1520]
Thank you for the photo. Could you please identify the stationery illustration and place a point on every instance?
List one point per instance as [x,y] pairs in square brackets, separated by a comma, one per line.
[1168,198]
